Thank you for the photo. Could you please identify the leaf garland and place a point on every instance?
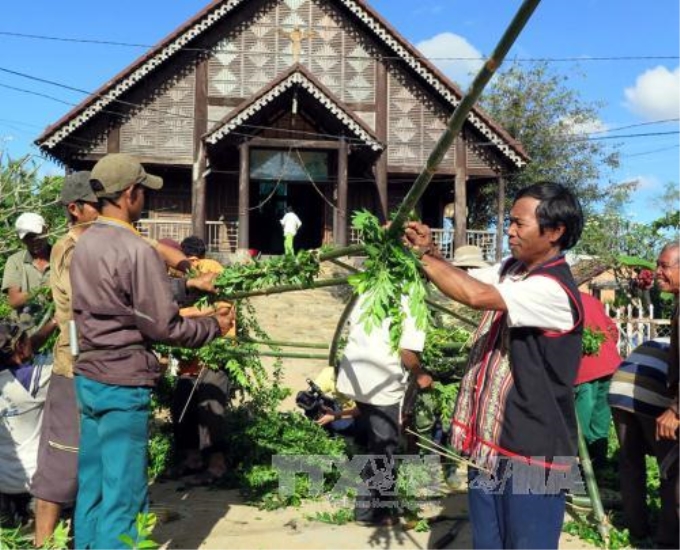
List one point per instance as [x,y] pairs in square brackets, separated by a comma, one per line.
[390,273]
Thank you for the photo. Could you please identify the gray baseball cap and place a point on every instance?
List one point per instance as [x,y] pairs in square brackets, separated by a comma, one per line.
[77,188]
[118,171]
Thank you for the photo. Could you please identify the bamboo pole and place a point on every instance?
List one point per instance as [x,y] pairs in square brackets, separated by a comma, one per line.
[332,353]
[352,250]
[455,123]
[282,354]
[284,288]
[591,487]
[285,344]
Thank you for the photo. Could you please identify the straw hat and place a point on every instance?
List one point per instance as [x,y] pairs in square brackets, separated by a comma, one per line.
[468,256]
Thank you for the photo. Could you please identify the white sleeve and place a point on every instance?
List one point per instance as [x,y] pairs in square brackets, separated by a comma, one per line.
[489,275]
[536,301]
[412,338]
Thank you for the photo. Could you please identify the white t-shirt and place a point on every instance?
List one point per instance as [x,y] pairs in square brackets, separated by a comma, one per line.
[291,223]
[370,372]
[21,413]
[536,301]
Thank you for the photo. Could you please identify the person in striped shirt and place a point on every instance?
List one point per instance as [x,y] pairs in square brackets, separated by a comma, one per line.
[638,395]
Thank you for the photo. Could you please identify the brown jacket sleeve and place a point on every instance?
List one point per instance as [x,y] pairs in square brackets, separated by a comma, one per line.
[155,311]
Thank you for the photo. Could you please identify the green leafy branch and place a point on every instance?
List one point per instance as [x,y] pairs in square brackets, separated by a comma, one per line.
[592,341]
[391,272]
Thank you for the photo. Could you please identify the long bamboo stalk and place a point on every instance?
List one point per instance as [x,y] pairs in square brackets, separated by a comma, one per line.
[287,344]
[591,487]
[285,288]
[352,250]
[455,123]
[283,354]
[335,344]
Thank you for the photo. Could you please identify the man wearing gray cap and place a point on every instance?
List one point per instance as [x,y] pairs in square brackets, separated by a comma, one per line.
[122,303]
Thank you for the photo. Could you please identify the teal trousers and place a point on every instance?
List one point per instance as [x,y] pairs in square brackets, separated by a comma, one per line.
[112,462]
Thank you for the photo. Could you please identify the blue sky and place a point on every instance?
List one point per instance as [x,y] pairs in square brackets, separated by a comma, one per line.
[635,91]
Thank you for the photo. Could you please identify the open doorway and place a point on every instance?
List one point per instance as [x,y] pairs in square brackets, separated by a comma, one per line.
[266,233]
[278,179]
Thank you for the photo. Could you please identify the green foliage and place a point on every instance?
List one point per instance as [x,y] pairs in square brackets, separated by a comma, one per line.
[588,532]
[144,527]
[300,269]
[17,539]
[390,273]
[537,106]
[446,351]
[160,452]
[338,517]
[24,189]
[256,433]
[592,341]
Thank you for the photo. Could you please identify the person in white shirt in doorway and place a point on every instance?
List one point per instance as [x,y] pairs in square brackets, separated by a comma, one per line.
[291,224]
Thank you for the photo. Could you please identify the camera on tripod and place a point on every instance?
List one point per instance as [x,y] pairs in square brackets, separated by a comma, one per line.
[314,402]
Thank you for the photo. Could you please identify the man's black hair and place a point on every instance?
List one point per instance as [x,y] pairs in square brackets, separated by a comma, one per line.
[98,187]
[558,206]
[193,246]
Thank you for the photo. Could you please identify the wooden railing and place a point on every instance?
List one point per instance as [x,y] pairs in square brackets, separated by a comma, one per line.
[220,236]
[223,236]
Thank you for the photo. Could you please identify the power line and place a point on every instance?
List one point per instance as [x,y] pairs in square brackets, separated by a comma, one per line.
[628,126]
[386,57]
[353,141]
[651,152]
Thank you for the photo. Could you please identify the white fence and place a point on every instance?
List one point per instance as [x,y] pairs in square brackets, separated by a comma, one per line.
[637,326]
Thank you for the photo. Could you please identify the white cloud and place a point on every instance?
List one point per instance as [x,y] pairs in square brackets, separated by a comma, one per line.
[656,94]
[447,45]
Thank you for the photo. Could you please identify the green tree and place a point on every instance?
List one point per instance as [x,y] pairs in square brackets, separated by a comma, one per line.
[537,107]
[668,203]
[24,189]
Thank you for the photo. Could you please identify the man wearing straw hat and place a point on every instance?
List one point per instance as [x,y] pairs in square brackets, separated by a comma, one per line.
[514,416]
[469,257]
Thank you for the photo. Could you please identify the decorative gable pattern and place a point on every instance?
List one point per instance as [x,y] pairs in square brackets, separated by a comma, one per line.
[336,48]
[304,81]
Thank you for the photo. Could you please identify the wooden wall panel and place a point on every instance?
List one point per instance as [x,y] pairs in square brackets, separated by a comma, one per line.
[165,127]
[277,35]
[415,123]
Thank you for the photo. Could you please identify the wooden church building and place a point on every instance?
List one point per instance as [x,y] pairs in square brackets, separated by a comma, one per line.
[254,105]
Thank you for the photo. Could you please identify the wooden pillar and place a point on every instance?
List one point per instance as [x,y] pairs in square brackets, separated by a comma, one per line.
[460,200]
[500,218]
[198,195]
[340,224]
[198,183]
[381,133]
[244,197]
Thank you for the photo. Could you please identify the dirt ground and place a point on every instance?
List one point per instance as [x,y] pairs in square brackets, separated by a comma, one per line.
[215,518]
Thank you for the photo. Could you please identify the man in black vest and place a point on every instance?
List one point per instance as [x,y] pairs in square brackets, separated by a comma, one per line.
[514,416]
